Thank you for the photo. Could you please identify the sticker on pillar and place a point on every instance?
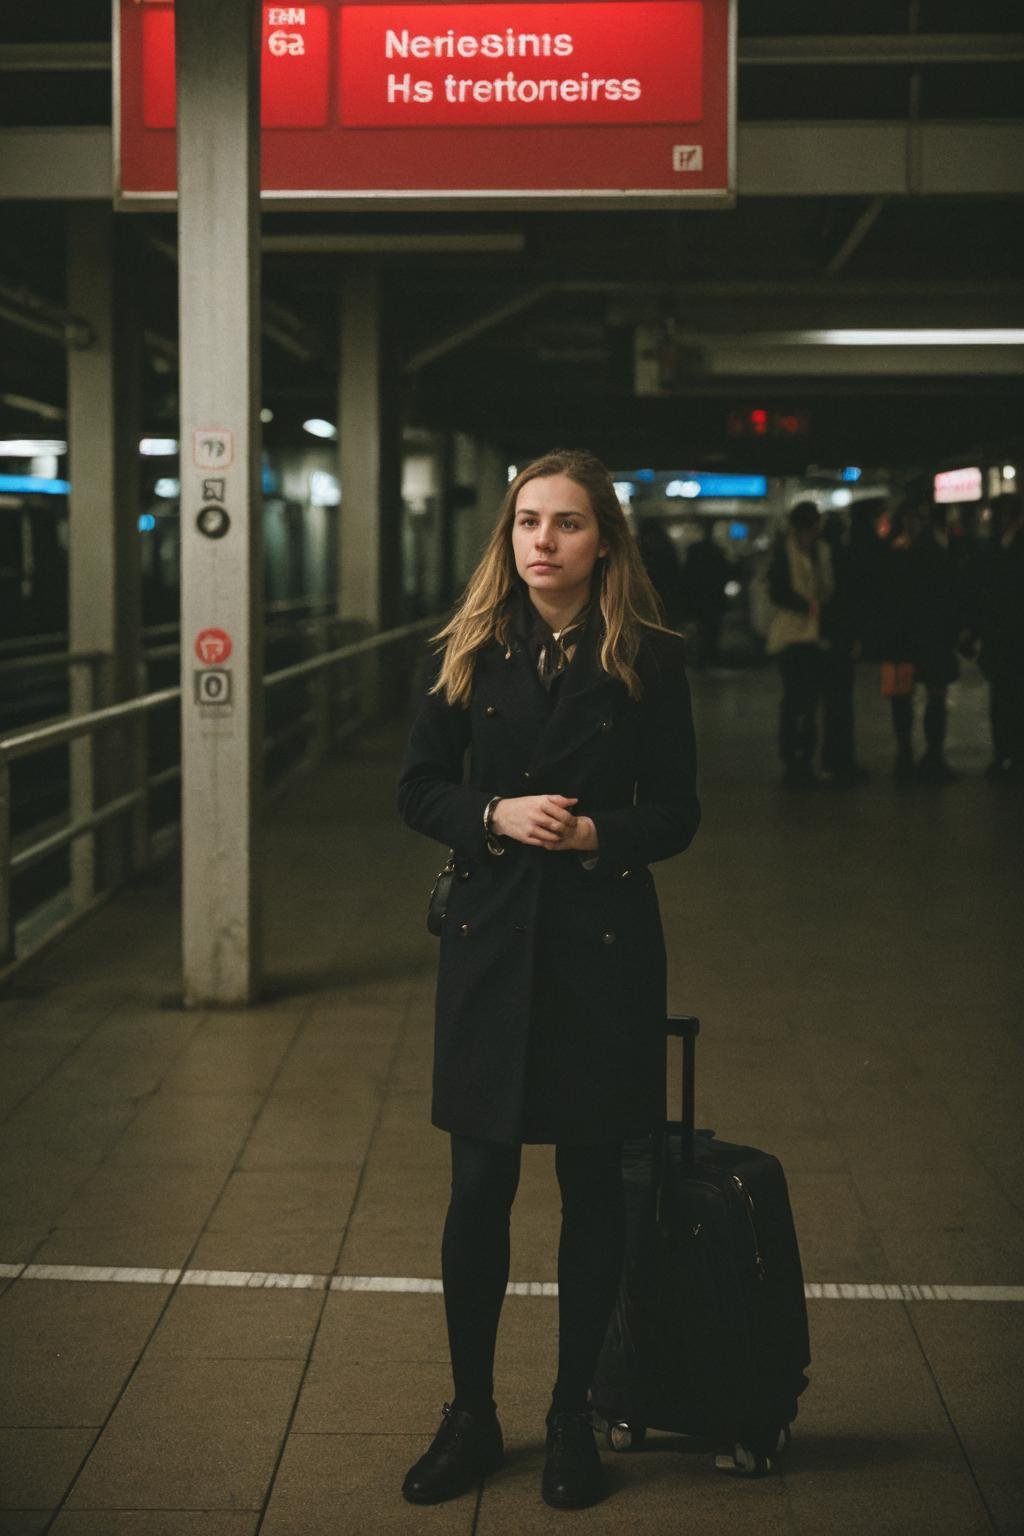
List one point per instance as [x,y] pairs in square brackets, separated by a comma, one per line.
[213,521]
[213,646]
[213,447]
[213,687]
[213,490]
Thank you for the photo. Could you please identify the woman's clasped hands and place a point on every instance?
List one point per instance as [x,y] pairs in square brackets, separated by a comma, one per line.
[545,821]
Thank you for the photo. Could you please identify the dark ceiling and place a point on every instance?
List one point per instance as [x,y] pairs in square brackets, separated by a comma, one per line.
[534,345]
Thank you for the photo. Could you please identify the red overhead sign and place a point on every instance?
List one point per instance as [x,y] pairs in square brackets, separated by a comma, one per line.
[603,101]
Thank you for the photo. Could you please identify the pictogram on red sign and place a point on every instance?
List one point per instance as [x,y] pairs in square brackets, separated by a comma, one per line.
[213,646]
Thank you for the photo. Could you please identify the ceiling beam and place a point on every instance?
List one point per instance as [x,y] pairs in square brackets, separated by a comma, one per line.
[856,48]
[278,322]
[860,228]
[806,159]
[30,312]
[885,48]
[477,327]
[54,58]
[399,244]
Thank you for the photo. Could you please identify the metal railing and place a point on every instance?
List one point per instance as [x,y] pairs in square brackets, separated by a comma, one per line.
[50,650]
[50,661]
[333,714]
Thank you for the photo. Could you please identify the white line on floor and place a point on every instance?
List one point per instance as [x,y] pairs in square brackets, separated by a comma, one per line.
[258,1279]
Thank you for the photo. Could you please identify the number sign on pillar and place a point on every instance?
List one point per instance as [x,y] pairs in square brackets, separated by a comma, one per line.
[609,103]
[209,477]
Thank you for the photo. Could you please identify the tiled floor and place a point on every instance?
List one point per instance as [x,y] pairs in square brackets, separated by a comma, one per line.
[855,958]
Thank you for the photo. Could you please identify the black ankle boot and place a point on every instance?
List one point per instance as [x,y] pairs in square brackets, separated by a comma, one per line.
[465,1449]
[573,1474]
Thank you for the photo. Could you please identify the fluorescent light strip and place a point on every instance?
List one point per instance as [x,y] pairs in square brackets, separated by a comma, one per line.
[30,447]
[992,336]
[265,1280]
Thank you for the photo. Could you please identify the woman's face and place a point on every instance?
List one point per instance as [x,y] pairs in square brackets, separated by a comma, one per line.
[555,538]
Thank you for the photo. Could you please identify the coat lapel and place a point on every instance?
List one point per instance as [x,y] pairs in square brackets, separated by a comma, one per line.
[585,705]
[507,682]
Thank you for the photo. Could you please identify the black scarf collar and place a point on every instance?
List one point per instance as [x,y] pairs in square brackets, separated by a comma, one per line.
[551,651]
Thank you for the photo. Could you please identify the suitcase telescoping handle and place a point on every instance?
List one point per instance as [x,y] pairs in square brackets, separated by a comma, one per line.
[686,1026]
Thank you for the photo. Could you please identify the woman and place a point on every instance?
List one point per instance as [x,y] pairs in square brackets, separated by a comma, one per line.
[897,639]
[800,584]
[937,614]
[571,700]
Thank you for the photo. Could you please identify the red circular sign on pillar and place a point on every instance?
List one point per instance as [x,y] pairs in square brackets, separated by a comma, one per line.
[213,646]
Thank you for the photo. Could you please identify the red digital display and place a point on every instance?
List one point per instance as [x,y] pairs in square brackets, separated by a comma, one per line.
[475,105]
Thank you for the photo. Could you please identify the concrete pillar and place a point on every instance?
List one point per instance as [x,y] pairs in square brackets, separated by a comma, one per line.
[481,470]
[491,485]
[221,500]
[104,573]
[446,520]
[370,459]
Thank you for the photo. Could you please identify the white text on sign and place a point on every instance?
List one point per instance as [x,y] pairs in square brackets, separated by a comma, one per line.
[291,43]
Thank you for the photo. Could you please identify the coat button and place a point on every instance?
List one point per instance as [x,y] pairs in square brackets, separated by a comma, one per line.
[490,710]
[526,773]
[606,725]
[463,929]
[625,874]
[609,937]
[464,874]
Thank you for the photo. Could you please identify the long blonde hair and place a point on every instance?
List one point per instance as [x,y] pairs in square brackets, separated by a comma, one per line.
[622,587]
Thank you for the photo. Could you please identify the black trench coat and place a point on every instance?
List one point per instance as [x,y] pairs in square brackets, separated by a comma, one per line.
[551,990]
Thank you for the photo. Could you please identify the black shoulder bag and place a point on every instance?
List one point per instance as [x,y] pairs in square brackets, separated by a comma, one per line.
[440,895]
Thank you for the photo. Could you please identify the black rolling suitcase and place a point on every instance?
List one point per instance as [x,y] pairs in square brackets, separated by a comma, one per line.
[709,1332]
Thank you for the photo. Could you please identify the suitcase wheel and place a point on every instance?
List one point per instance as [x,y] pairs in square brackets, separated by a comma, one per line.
[745,1462]
[626,1437]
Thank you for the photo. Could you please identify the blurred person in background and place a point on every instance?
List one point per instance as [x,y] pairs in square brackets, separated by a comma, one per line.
[841,622]
[800,583]
[705,573]
[870,521]
[937,597]
[658,553]
[1000,621]
[895,634]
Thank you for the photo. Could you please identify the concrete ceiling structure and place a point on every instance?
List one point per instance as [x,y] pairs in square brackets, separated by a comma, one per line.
[880,188]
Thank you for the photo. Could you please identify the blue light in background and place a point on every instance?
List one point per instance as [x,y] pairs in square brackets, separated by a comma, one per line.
[739,531]
[732,485]
[645,476]
[269,480]
[851,472]
[37,485]
[147,522]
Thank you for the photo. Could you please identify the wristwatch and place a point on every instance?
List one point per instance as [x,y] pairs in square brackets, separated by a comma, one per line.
[493,846]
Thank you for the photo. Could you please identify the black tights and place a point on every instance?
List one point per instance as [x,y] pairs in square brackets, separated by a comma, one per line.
[475,1262]
[934,722]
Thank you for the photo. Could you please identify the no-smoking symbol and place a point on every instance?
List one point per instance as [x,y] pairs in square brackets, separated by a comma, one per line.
[213,646]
